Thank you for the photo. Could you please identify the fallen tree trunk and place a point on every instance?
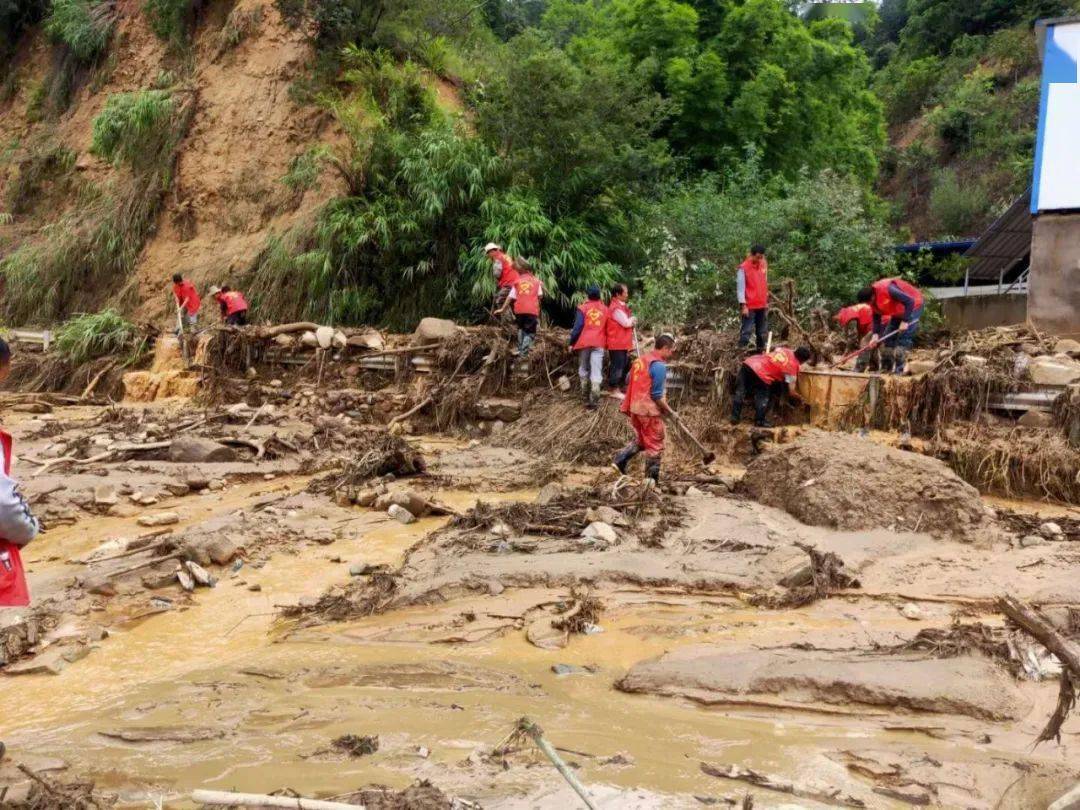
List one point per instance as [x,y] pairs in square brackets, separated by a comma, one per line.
[834,796]
[1068,653]
[223,798]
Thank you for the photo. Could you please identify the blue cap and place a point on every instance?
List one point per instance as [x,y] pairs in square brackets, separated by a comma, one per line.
[593,291]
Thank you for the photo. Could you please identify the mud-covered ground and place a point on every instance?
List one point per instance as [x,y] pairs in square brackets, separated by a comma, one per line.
[679,648]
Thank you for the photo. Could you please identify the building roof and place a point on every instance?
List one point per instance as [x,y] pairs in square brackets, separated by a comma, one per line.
[1005,244]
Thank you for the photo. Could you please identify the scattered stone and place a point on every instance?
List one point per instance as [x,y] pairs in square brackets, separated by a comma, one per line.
[1051,531]
[222,550]
[177,488]
[423,752]
[366,497]
[401,514]
[269,476]
[159,519]
[1031,540]
[106,495]
[341,498]
[255,587]
[100,584]
[498,409]
[216,485]
[1036,419]
[694,492]
[570,669]
[912,611]
[598,530]
[1067,346]
[974,360]
[194,450]
[563,382]
[430,330]
[617,759]
[355,745]
[197,482]
[1059,370]
[548,493]
[75,652]
[185,579]
[158,579]
[49,662]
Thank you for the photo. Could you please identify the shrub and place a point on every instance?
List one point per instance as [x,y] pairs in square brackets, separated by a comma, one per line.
[43,162]
[959,209]
[82,25]
[170,19]
[133,127]
[305,168]
[85,337]
[905,88]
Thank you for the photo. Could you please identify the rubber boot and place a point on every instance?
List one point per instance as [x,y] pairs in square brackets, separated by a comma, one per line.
[594,396]
[899,360]
[652,469]
[584,389]
[886,360]
[624,457]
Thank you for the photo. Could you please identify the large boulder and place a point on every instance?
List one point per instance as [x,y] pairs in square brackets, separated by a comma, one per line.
[193,450]
[497,408]
[1056,370]
[434,330]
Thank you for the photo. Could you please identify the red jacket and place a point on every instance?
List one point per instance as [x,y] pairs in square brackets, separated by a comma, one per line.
[862,314]
[885,305]
[507,275]
[593,332]
[773,367]
[233,301]
[619,337]
[756,274]
[187,296]
[527,295]
[14,591]
[638,399]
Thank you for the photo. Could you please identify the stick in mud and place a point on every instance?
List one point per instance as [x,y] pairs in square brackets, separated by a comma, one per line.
[526,727]
[223,798]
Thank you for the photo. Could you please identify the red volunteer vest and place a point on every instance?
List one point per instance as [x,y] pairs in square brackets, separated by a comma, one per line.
[619,337]
[773,367]
[638,399]
[884,304]
[757,283]
[527,300]
[187,296]
[234,302]
[862,314]
[508,275]
[592,334]
[13,588]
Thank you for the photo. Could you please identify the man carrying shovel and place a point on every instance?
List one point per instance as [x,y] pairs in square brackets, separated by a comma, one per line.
[897,307]
[646,405]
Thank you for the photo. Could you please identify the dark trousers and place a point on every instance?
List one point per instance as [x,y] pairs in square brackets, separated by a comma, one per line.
[526,325]
[905,339]
[750,385]
[618,367]
[237,318]
[756,322]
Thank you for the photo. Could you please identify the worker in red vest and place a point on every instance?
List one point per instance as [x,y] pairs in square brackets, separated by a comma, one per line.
[234,307]
[505,273]
[645,404]
[764,376]
[752,291]
[863,318]
[187,300]
[525,296]
[588,338]
[619,336]
[897,307]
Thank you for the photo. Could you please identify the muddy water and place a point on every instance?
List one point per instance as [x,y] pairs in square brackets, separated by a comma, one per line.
[269,699]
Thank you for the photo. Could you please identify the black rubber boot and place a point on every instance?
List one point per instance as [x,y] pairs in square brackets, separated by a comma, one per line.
[887,360]
[652,469]
[899,361]
[624,457]
[594,396]
[585,391]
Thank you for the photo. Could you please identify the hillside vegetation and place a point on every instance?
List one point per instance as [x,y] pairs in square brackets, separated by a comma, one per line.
[346,160]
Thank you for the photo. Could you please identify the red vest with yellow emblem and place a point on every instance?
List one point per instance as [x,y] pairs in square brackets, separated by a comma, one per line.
[527,300]
[638,399]
[773,367]
[592,334]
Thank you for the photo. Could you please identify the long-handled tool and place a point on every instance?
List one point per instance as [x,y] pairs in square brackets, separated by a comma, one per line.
[707,456]
[869,346]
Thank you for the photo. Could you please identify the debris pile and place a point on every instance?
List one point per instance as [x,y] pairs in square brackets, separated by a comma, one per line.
[845,482]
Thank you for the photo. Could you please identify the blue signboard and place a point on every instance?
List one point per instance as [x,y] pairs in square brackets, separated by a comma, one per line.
[1056,181]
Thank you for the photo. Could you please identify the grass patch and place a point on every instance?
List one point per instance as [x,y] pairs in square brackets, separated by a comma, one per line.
[86,337]
[240,24]
[45,162]
[171,20]
[83,26]
[133,126]
[305,169]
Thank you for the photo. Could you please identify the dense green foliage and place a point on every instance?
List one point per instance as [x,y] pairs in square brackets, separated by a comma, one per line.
[85,337]
[170,19]
[84,26]
[133,127]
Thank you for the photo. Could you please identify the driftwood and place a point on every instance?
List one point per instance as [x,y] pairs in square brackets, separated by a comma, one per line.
[97,378]
[527,728]
[286,328]
[834,796]
[1068,653]
[223,798]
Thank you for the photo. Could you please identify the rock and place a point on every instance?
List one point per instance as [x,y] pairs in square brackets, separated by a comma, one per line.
[400,514]
[1067,346]
[1051,531]
[75,652]
[49,662]
[548,493]
[106,495]
[187,582]
[222,550]
[197,549]
[498,409]
[915,367]
[216,485]
[100,584]
[158,579]
[974,360]
[1031,540]
[197,482]
[570,669]
[1067,801]
[1054,370]
[500,529]
[606,514]
[341,498]
[177,488]
[1036,419]
[159,519]
[912,611]
[598,530]
[309,339]
[255,588]
[694,492]
[324,336]
[366,497]
[417,504]
[193,450]
[430,330]
[200,574]
[251,372]
[563,382]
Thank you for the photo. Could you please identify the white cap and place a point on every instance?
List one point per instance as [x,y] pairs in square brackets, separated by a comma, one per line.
[490,246]
[214,290]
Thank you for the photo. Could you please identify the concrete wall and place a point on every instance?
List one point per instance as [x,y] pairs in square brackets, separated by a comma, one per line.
[976,312]
[1054,297]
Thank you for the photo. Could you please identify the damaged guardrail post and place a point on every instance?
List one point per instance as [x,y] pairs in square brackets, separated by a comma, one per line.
[528,727]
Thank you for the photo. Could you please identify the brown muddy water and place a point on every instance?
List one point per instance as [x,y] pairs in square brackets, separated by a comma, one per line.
[249,702]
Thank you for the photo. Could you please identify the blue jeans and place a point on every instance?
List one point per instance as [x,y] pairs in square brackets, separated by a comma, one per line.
[905,339]
[758,323]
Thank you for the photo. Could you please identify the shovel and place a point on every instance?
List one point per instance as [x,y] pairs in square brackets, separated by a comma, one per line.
[869,346]
[707,456]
